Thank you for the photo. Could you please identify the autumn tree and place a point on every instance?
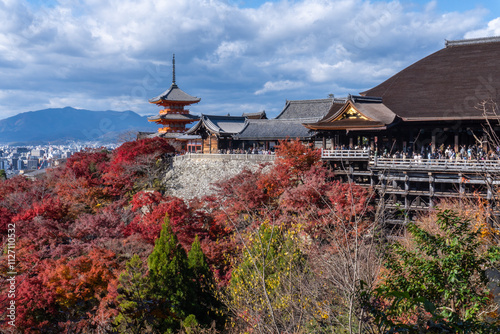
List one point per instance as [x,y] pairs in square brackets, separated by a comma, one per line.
[269,290]
[137,165]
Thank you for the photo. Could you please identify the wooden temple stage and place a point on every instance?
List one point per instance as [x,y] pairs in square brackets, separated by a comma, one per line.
[408,186]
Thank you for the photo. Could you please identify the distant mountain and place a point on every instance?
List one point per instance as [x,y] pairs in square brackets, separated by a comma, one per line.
[64,124]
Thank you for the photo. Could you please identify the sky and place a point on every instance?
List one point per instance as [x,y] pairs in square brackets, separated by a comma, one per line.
[236,55]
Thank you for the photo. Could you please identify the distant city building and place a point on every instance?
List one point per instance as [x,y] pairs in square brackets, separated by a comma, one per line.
[14,163]
[32,164]
[37,153]
[21,150]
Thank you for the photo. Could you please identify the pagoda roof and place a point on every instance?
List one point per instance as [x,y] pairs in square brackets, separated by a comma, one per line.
[274,129]
[175,94]
[312,110]
[174,117]
[449,84]
[219,124]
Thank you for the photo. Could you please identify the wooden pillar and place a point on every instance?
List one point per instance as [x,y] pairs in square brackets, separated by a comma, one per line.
[324,143]
[351,141]
[349,175]
[210,143]
[461,188]
[457,148]
[407,190]
[431,190]
[489,194]
[485,143]
[433,142]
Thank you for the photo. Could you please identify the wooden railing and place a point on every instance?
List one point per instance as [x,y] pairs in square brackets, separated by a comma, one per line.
[436,164]
[345,154]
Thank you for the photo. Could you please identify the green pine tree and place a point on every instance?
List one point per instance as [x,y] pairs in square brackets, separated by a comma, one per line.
[133,298]
[171,281]
[205,306]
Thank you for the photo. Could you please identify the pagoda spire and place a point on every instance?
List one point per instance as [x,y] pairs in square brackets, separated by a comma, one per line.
[173,69]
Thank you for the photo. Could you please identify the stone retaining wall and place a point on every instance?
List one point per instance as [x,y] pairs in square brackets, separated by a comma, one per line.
[191,177]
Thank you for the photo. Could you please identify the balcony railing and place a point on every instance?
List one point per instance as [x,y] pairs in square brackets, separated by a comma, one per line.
[345,154]
[437,164]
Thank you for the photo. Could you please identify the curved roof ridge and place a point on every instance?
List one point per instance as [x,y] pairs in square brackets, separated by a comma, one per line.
[469,41]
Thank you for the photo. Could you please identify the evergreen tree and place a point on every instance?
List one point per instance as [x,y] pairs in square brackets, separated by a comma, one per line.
[170,279]
[440,284]
[134,290]
[3,175]
[205,307]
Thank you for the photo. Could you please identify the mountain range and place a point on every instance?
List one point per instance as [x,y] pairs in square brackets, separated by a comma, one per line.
[70,124]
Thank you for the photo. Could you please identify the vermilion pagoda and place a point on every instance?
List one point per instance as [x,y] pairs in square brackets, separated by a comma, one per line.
[173,117]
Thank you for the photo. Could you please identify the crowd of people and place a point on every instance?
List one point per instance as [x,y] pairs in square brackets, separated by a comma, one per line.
[248,151]
[464,152]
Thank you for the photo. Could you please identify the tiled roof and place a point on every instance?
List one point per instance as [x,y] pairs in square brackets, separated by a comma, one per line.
[376,114]
[312,110]
[175,94]
[274,129]
[446,85]
[219,124]
[181,117]
[255,115]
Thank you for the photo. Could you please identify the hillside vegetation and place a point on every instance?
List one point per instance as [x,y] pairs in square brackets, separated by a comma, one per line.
[100,248]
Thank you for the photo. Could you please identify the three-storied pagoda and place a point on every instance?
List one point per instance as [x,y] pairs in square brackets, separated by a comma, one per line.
[173,117]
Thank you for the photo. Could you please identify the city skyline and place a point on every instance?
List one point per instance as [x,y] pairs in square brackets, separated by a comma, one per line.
[237,56]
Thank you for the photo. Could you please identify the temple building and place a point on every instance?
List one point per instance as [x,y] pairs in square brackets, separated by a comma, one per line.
[266,133]
[427,133]
[173,117]
[216,132]
[443,100]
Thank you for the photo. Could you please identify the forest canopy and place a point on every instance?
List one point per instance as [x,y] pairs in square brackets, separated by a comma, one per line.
[101,247]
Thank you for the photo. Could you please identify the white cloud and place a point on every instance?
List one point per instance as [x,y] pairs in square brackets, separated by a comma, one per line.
[231,49]
[279,86]
[493,29]
[115,54]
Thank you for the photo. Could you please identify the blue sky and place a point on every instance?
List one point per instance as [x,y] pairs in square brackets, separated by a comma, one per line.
[236,55]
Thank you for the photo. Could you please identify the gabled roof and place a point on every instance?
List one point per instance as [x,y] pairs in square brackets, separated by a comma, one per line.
[219,124]
[446,85]
[357,112]
[175,94]
[255,115]
[274,129]
[312,110]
